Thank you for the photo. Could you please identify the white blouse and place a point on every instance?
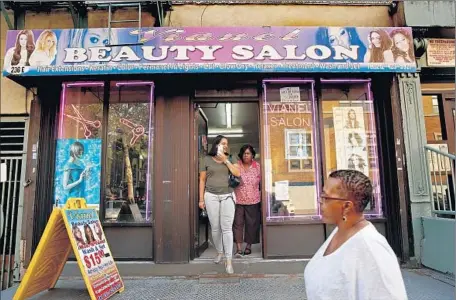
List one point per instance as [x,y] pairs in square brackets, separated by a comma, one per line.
[363,268]
[40,58]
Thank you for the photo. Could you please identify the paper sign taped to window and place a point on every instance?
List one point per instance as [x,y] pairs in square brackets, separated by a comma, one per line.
[290,94]
[281,190]
[3,172]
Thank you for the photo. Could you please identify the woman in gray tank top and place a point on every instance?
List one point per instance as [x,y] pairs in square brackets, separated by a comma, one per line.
[218,198]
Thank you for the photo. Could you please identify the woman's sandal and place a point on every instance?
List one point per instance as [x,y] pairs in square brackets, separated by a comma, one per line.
[238,254]
[247,251]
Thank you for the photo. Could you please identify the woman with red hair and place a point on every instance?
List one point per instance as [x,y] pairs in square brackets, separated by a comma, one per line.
[19,55]
[402,46]
[379,47]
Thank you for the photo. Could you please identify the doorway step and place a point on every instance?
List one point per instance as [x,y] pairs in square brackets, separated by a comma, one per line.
[244,267]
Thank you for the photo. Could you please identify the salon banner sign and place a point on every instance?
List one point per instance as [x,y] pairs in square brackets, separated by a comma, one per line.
[98,51]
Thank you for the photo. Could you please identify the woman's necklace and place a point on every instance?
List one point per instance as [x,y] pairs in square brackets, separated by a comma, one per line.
[348,230]
[359,221]
[248,166]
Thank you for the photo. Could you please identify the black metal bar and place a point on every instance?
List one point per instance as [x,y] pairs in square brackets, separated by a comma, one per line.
[19,18]
[74,14]
[44,193]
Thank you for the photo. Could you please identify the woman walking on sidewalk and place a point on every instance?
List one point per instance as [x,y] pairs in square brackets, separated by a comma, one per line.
[356,262]
[218,198]
[247,217]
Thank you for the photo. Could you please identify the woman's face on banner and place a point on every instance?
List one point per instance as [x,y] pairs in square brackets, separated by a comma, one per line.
[400,41]
[96,38]
[338,36]
[49,42]
[351,115]
[23,40]
[376,39]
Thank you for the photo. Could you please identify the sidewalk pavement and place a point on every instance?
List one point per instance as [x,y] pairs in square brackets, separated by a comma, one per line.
[420,284]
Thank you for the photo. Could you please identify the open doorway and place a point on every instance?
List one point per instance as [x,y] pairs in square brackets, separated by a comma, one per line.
[239,123]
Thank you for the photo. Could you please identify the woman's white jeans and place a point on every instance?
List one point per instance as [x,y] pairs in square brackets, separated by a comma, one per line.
[220,210]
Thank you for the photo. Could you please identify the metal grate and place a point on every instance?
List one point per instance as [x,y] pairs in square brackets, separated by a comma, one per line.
[13,136]
[441,180]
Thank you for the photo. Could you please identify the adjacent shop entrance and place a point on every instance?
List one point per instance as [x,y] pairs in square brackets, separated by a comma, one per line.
[239,123]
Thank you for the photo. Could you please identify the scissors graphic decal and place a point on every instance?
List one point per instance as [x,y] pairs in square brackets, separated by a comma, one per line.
[136,129]
[84,122]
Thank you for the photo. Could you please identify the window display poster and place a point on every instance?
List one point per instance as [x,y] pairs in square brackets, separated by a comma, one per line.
[268,175]
[77,171]
[350,136]
[95,258]
[281,190]
[290,94]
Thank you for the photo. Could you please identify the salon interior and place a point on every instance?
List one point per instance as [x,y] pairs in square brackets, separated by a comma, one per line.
[239,123]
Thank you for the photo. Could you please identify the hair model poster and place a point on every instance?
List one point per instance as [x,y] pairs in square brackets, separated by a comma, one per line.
[78,171]
[350,136]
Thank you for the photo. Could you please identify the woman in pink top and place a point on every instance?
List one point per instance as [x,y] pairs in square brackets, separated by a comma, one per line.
[248,199]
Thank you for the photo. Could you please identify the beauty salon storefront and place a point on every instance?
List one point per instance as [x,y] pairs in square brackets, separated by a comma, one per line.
[114,122]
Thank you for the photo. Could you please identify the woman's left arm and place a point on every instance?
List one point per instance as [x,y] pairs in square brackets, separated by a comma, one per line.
[234,169]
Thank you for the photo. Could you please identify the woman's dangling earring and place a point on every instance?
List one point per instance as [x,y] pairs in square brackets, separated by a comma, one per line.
[344,218]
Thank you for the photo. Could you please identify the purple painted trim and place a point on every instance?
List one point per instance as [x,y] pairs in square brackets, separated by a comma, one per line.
[151,104]
[135,83]
[62,107]
[313,217]
[314,133]
[85,83]
[369,91]
[368,83]
[266,141]
[372,124]
[349,80]
[288,80]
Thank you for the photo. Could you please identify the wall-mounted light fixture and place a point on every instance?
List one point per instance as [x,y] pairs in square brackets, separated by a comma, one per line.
[215,130]
[228,135]
[228,115]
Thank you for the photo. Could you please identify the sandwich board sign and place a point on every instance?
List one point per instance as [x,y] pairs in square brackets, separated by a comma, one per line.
[73,227]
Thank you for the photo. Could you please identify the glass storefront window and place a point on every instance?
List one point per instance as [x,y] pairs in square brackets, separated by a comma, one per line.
[79,144]
[104,148]
[290,149]
[305,139]
[349,134]
[128,153]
